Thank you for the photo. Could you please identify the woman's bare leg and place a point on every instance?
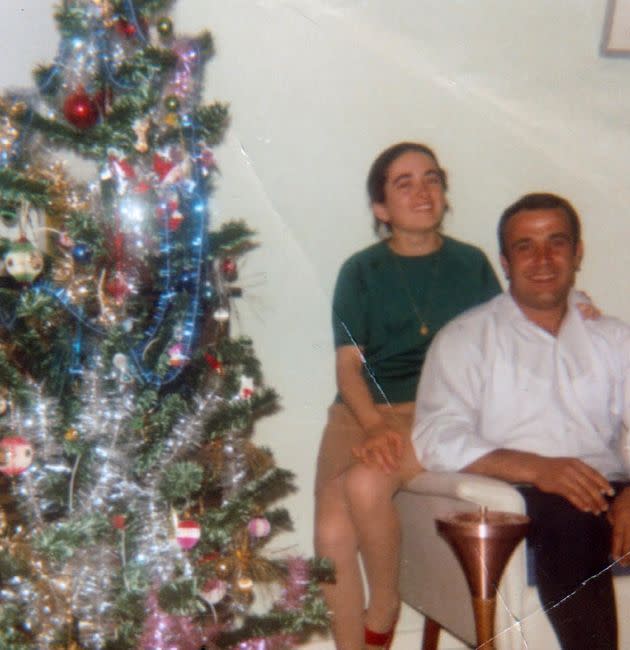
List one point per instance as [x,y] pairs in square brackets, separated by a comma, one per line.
[370,492]
[335,538]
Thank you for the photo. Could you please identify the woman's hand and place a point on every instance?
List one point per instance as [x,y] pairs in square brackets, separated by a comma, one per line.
[588,310]
[382,448]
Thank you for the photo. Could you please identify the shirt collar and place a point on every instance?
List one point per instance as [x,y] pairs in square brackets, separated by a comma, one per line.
[573,338]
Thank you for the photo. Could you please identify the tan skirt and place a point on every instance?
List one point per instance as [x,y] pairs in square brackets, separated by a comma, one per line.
[343,432]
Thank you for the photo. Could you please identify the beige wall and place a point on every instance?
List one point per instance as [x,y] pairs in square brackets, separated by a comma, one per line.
[514,96]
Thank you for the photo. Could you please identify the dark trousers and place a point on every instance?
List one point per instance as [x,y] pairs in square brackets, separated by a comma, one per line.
[571,554]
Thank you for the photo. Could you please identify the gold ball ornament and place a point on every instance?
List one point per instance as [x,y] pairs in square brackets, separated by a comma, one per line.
[171,103]
[165,27]
[18,109]
[172,120]
[71,435]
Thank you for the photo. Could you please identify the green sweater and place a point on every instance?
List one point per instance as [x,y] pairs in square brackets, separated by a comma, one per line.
[392,306]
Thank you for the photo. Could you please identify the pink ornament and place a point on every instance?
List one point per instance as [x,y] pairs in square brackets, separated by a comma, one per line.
[214,591]
[187,534]
[259,527]
[176,356]
[16,455]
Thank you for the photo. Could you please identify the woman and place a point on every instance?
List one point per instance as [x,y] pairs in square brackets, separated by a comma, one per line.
[389,302]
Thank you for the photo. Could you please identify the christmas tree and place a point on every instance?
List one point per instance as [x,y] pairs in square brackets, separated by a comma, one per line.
[134,506]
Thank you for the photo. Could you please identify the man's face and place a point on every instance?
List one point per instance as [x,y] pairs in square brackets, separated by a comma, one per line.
[414,196]
[541,258]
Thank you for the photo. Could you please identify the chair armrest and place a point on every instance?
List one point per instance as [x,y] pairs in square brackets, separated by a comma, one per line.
[474,488]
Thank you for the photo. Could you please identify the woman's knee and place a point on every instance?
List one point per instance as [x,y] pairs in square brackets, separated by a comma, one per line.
[368,487]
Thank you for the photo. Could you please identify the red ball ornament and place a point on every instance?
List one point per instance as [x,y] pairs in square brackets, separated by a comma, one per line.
[119,522]
[229,269]
[175,221]
[117,288]
[16,455]
[81,110]
[187,534]
[129,29]
[214,363]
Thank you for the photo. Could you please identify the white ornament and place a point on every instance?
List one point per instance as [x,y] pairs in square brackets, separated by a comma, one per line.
[221,315]
[246,389]
[23,261]
[187,534]
[214,591]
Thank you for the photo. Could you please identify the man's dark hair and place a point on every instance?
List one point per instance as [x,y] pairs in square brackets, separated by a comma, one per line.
[377,176]
[539,201]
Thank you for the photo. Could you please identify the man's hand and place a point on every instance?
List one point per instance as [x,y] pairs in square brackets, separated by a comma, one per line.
[583,486]
[383,448]
[579,483]
[619,518]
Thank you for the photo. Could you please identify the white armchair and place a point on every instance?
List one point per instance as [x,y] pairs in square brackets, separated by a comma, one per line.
[433,583]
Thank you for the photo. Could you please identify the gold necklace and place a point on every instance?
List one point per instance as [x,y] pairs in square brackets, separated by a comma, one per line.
[424,329]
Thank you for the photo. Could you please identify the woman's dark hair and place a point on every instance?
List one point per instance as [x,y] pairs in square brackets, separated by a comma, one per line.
[377,176]
[539,201]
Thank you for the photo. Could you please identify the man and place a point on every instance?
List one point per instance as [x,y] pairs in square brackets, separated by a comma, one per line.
[525,390]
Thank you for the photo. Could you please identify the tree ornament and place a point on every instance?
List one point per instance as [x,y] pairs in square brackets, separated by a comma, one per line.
[214,591]
[175,220]
[187,534]
[81,253]
[259,527]
[118,288]
[71,435]
[214,363]
[141,129]
[23,261]
[129,29]
[162,166]
[221,315]
[119,522]
[172,120]
[229,269]
[80,109]
[247,387]
[171,103]
[165,27]
[245,583]
[16,455]
[65,240]
[176,356]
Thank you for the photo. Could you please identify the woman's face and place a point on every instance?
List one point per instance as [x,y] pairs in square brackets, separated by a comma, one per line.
[414,195]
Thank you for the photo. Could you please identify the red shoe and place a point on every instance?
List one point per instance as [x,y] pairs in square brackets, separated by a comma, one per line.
[379,638]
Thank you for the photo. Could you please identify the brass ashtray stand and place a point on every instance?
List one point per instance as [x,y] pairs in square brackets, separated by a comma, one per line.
[483,542]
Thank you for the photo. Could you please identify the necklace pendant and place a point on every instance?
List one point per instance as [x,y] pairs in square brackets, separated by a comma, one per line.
[424,329]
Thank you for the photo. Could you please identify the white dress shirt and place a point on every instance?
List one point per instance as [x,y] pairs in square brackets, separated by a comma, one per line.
[492,379]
